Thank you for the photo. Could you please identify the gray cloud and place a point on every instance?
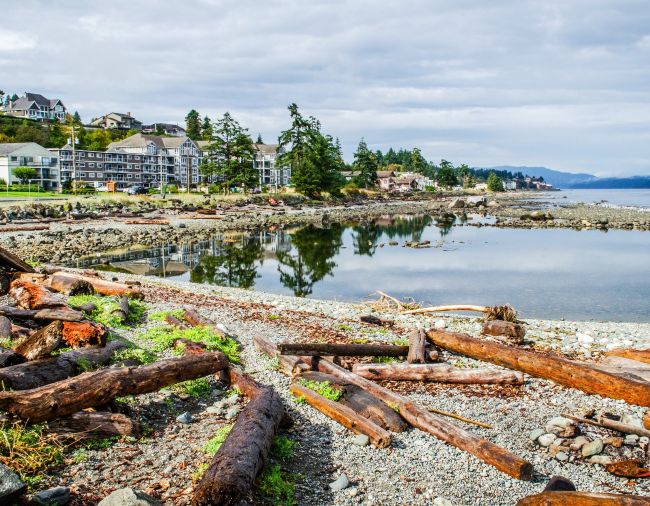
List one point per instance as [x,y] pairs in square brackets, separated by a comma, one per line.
[557,83]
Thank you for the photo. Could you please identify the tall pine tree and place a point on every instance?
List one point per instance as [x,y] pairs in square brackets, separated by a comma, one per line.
[365,165]
[193,125]
[233,152]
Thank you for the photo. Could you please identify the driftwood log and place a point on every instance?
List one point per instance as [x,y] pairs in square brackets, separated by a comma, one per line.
[646,420]
[9,357]
[625,428]
[122,309]
[42,342]
[514,332]
[64,281]
[196,320]
[65,314]
[561,370]
[488,452]
[560,498]
[374,320]
[29,295]
[86,333]
[344,415]
[244,453]
[441,373]
[13,263]
[343,350]
[638,355]
[289,364]
[95,424]
[100,387]
[417,347]
[42,372]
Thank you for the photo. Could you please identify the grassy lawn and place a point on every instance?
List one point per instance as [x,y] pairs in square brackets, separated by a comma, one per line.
[25,195]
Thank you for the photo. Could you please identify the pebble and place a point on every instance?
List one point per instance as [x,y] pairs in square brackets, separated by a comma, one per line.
[631,439]
[561,426]
[232,413]
[361,440]
[632,420]
[616,442]
[440,324]
[213,410]
[57,496]
[185,418]
[562,457]
[593,448]
[441,501]
[546,439]
[578,443]
[603,460]
[128,497]
[535,434]
[340,483]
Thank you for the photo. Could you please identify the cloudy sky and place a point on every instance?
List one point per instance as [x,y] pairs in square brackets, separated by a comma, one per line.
[565,83]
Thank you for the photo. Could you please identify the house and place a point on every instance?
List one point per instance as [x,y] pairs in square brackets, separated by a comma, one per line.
[29,154]
[510,185]
[117,120]
[385,179]
[164,129]
[348,175]
[36,107]
[405,183]
[480,186]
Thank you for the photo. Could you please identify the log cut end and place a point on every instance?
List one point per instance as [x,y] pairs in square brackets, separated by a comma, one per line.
[80,334]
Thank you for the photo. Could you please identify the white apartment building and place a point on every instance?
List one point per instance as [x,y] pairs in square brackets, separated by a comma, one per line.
[29,154]
[265,162]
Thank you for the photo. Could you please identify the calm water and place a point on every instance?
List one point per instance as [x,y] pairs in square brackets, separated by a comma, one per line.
[623,198]
[543,273]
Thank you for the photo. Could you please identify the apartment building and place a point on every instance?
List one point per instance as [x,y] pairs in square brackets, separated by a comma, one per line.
[29,154]
[36,107]
[265,162]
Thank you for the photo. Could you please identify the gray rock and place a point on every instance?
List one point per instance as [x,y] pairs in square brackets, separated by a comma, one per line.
[128,497]
[603,460]
[340,483]
[631,439]
[10,485]
[185,418]
[561,426]
[57,496]
[232,413]
[562,457]
[457,204]
[231,400]
[578,442]
[593,448]
[440,324]
[441,501]
[534,435]
[213,410]
[361,440]
[546,439]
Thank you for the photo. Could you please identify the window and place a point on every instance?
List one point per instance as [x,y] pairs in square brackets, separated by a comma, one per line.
[137,167]
[130,176]
[14,158]
[91,164]
[91,155]
[82,164]
[99,155]
[91,174]
[100,165]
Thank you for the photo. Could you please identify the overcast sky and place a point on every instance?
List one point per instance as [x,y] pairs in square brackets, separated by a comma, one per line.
[564,84]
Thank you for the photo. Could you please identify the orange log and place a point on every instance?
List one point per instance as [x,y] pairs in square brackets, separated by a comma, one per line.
[557,498]
[638,355]
[29,295]
[79,334]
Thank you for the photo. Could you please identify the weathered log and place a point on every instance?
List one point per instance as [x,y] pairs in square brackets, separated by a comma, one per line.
[122,309]
[65,314]
[63,281]
[243,454]
[514,332]
[190,347]
[196,320]
[13,263]
[558,498]
[362,402]
[625,428]
[624,367]
[9,357]
[42,372]
[95,424]
[420,418]
[565,372]
[100,387]
[441,373]
[344,415]
[79,334]
[374,320]
[289,364]
[87,307]
[30,295]
[343,350]
[175,322]
[19,332]
[5,327]
[42,342]
[417,347]
[638,355]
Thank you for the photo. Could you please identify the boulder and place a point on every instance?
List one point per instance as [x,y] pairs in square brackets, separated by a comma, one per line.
[129,497]
[457,204]
[57,496]
[10,485]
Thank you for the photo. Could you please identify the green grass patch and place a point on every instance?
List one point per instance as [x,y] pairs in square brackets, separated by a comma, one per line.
[276,487]
[7,342]
[101,444]
[80,455]
[323,388]
[140,355]
[401,341]
[105,306]
[159,316]
[342,326]
[199,387]
[164,336]
[212,446]
[360,340]
[200,471]
[282,448]
[384,360]
[273,316]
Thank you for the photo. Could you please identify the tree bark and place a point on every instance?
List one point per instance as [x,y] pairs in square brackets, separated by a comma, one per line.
[513,331]
[374,320]
[558,498]
[343,350]
[565,372]
[100,387]
[95,424]
[289,364]
[344,415]
[638,355]
[441,373]
[79,334]
[65,314]
[30,295]
[417,347]
[244,453]
[5,327]
[122,309]
[63,281]
[11,262]
[9,357]
[446,431]
[42,342]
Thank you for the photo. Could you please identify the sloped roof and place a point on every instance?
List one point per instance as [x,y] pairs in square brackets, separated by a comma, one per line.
[203,144]
[266,149]
[385,173]
[172,142]
[12,147]
[137,141]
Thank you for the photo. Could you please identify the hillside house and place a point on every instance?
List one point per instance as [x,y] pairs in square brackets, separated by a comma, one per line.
[36,107]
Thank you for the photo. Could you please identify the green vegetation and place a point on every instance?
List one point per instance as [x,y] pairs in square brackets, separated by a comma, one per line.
[276,487]
[282,448]
[28,451]
[401,341]
[159,316]
[25,173]
[212,446]
[199,387]
[344,327]
[164,337]
[494,183]
[105,306]
[200,471]
[7,342]
[79,455]
[140,355]
[323,388]
[384,360]
[101,444]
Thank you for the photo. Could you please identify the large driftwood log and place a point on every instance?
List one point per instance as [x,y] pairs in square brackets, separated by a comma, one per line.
[11,262]
[94,424]
[646,420]
[558,498]
[288,363]
[362,402]
[343,350]
[638,355]
[42,372]
[512,331]
[65,314]
[100,387]
[488,452]
[9,357]
[441,373]
[565,372]
[417,347]
[244,453]
[80,334]
[625,428]
[64,281]
[29,295]
[42,342]
[344,415]
[122,309]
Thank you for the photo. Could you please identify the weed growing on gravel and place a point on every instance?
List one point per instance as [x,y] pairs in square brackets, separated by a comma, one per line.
[212,446]
[276,487]
[28,451]
[200,471]
[83,364]
[164,337]
[342,326]
[105,307]
[360,340]
[159,316]
[282,448]
[323,388]
[101,444]
[272,316]
[199,387]
[384,360]
[6,342]
[79,456]
[140,355]
[401,341]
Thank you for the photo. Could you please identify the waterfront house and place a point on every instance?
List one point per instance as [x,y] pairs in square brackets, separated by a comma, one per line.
[35,106]
[29,154]
[385,179]
[117,120]
[164,129]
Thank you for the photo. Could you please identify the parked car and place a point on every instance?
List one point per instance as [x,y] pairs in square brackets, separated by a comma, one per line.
[135,190]
[101,188]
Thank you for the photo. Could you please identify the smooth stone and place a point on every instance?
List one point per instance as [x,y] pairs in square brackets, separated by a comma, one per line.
[441,501]
[231,400]
[440,324]
[10,485]
[603,460]
[616,442]
[340,483]
[562,457]
[546,439]
[57,496]
[632,420]
[579,442]
[361,440]
[534,435]
[213,410]
[128,497]
[631,439]
[232,413]
[185,418]
[561,426]
[593,448]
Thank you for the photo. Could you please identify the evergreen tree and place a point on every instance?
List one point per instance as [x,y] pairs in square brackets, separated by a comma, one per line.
[494,183]
[446,175]
[365,165]
[206,129]
[259,139]
[76,118]
[233,153]
[193,125]
[418,162]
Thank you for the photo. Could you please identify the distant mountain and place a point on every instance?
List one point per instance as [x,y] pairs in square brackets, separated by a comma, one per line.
[569,180]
